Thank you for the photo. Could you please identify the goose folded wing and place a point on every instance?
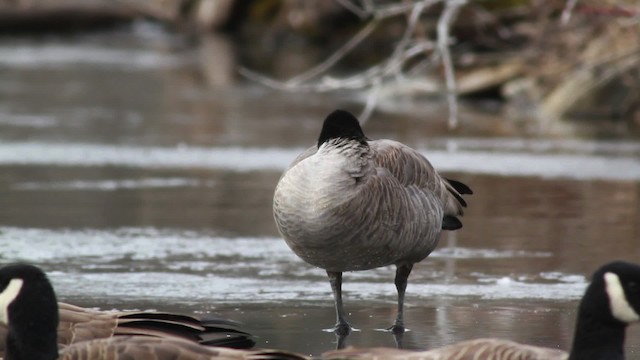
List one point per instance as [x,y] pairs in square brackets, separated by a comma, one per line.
[410,167]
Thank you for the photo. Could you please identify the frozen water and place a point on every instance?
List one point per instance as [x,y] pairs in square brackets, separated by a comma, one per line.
[573,166]
[111,185]
[194,266]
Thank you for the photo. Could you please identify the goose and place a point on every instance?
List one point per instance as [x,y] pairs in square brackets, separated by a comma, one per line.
[610,303]
[29,310]
[350,203]
[81,324]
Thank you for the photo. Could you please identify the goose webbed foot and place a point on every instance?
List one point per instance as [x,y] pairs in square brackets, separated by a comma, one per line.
[342,332]
[396,329]
[399,339]
[342,329]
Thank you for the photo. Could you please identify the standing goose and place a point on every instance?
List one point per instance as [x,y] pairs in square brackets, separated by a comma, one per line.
[29,310]
[351,203]
[609,305]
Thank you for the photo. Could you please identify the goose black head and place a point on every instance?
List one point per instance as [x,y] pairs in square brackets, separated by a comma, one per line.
[615,287]
[341,124]
[29,308]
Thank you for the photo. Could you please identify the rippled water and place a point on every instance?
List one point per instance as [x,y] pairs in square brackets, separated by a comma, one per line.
[140,175]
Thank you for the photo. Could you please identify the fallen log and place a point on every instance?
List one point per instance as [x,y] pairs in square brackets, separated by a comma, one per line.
[61,16]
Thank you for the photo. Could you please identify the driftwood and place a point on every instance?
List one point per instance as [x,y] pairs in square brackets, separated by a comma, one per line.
[558,58]
[76,15]
[61,18]
[33,16]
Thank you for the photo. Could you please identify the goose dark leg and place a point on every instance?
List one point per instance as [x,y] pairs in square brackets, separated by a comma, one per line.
[402,274]
[335,279]
[341,341]
[399,339]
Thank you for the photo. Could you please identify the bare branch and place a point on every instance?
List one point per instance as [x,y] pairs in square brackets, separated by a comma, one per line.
[568,10]
[411,26]
[396,9]
[444,23]
[413,44]
[359,12]
[372,100]
[265,80]
[335,57]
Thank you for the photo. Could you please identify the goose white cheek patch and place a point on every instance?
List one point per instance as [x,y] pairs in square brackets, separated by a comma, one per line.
[6,298]
[618,301]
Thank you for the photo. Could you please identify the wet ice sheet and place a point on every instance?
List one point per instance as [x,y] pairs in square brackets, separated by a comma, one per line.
[111,185]
[28,120]
[574,166]
[189,266]
[54,56]
[96,50]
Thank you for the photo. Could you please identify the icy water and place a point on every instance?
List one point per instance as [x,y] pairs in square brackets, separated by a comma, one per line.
[138,171]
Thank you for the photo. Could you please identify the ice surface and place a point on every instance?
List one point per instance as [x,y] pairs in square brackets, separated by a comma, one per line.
[573,166]
[196,266]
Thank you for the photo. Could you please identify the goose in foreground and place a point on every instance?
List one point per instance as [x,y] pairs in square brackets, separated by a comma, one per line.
[350,203]
[29,310]
[610,303]
[78,324]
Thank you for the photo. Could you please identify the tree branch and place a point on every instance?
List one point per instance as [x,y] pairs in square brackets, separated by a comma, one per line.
[444,24]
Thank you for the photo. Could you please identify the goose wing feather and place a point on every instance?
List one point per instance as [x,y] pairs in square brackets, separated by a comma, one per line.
[411,168]
[78,324]
[495,349]
[148,348]
[345,207]
[352,215]
[305,154]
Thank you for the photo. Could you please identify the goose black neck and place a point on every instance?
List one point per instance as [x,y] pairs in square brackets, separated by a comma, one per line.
[33,321]
[341,124]
[594,340]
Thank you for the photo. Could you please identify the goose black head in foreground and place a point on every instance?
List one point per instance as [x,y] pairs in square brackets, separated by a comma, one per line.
[29,310]
[350,203]
[609,305]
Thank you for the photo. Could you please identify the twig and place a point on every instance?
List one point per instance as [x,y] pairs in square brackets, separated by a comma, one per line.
[372,100]
[444,23]
[568,11]
[335,57]
[265,80]
[359,12]
[404,40]
[394,10]
[412,44]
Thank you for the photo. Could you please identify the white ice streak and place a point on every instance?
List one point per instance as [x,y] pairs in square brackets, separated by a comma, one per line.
[190,287]
[28,120]
[179,157]
[572,166]
[183,287]
[112,185]
[562,277]
[469,253]
[40,56]
[139,244]
[151,243]
[498,289]
[190,266]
